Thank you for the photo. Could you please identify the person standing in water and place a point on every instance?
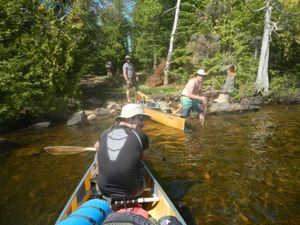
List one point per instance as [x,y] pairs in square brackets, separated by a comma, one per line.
[191,98]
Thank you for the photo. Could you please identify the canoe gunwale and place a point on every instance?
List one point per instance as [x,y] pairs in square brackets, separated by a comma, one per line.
[156,190]
[68,204]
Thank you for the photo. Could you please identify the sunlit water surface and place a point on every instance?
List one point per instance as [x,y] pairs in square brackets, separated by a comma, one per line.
[236,169]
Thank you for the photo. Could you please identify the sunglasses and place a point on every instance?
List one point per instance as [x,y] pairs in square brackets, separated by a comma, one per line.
[141,118]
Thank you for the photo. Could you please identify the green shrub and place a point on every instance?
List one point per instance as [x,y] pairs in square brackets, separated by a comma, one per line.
[285,88]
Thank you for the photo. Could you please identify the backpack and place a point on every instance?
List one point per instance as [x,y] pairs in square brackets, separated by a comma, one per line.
[126,218]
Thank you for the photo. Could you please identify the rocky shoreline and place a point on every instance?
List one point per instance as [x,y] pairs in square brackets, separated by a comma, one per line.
[96,108]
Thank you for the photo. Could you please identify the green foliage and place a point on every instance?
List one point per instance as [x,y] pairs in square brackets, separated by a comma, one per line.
[285,88]
[178,76]
[115,30]
[213,34]
[152,29]
[45,46]
[286,42]
[160,91]
[188,25]
[37,57]
[43,54]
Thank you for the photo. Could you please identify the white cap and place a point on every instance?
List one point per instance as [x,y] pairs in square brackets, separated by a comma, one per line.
[131,110]
[127,57]
[201,72]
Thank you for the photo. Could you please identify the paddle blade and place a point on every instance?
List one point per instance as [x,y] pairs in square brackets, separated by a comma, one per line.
[67,150]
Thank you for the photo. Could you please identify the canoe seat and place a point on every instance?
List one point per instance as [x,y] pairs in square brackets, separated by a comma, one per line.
[137,200]
[149,196]
[112,201]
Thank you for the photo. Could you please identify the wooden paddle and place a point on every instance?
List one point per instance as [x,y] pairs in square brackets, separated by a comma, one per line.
[67,150]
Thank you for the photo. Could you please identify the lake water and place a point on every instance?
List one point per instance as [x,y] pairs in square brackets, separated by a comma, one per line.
[236,169]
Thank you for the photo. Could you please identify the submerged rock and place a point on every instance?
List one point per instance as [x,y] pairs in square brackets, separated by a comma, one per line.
[7,145]
[78,119]
[221,107]
[40,125]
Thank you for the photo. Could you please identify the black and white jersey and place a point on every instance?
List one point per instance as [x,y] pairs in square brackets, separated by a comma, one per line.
[119,161]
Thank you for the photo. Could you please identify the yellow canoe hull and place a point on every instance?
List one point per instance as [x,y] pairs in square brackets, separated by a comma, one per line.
[141,96]
[168,119]
[157,208]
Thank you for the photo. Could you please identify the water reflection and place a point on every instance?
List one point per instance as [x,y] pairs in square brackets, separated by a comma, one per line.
[236,169]
[35,185]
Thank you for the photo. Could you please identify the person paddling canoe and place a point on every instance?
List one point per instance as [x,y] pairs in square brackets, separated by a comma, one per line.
[120,150]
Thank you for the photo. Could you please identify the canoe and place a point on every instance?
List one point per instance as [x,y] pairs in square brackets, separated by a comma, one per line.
[154,200]
[141,96]
[168,119]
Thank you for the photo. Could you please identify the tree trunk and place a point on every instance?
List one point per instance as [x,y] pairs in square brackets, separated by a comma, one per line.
[169,56]
[154,61]
[262,80]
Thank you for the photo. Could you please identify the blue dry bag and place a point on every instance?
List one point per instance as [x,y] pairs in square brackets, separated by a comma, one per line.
[89,213]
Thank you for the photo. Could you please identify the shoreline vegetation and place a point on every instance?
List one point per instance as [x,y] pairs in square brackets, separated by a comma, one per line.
[50,48]
[98,90]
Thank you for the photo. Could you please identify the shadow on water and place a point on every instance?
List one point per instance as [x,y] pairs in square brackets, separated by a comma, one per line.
[236,169]
[35,186]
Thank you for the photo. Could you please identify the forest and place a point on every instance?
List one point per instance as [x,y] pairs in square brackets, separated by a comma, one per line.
[46,46]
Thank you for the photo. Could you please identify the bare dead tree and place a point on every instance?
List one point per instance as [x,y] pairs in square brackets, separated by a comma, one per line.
[169,56]
[262,79]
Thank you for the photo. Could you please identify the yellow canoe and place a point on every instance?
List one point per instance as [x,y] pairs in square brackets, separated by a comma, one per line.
[168,119]
[155,201]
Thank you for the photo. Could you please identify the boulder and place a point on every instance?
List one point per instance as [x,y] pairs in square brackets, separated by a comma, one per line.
[251,101]
[102,112]
[91,117]
[113,105]
[94,101]
[78,119]
[89,112]
[221,107]
[113,108]
[40,125]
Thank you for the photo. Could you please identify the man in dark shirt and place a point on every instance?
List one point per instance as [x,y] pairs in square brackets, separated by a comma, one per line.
[120,150]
